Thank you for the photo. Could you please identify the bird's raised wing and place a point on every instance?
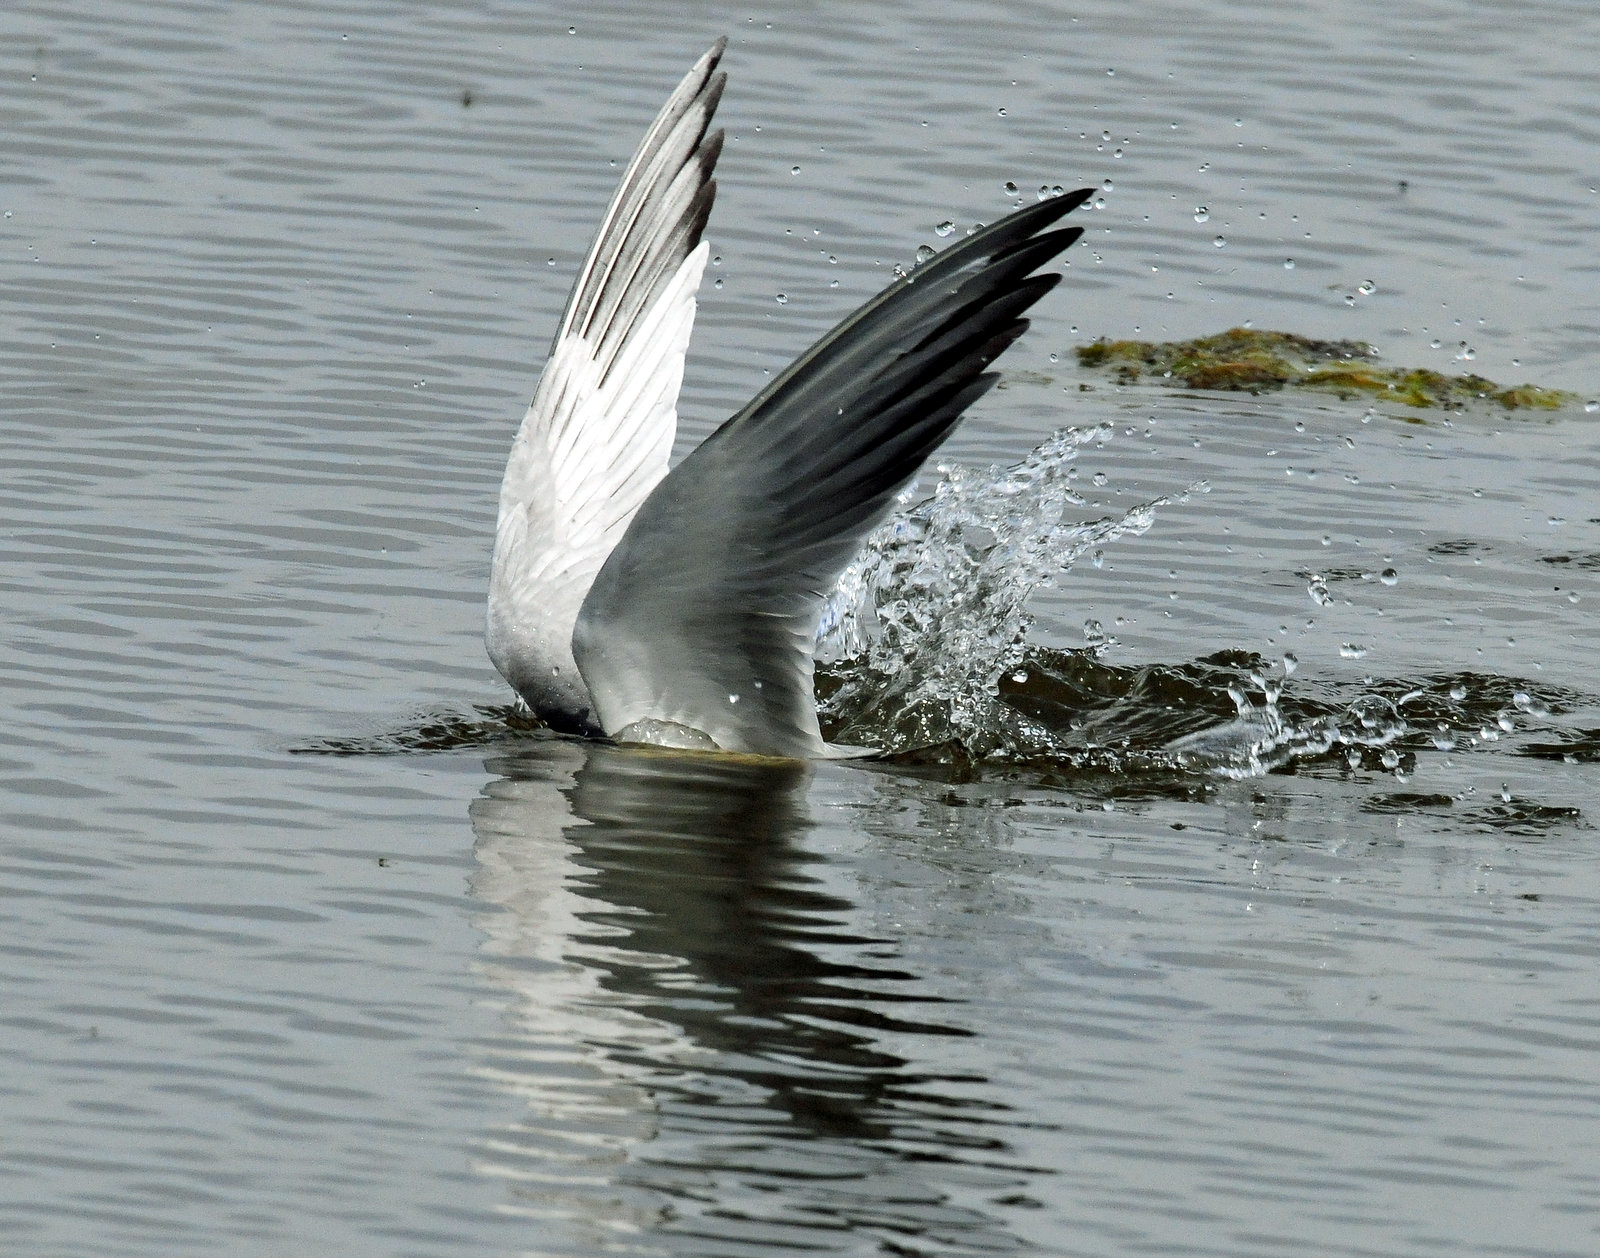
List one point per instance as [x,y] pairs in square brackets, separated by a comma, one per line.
[705,613]
[598,434]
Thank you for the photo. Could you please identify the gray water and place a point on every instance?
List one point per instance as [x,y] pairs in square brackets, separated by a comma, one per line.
[277,281]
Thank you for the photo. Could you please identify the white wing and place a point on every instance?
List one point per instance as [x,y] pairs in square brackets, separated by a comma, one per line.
[599,431]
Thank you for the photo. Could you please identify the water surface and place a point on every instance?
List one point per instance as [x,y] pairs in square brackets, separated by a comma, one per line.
[278,280]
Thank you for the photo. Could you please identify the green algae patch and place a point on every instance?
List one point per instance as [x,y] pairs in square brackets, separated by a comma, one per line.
[1244,360]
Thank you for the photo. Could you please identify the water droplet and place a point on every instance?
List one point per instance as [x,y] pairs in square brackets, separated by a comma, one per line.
[717,283]
[1001,112]
[549,261]
[571,30]
[1366,288]
[924,252]
[783,299]
[1389,576]
[1590,406]
[733,698]
[1009,188]
[1100,479]
[1288,264]
[1458,692]
[1317,587]
[1465,354]
[794,170]
[1352,651]
[717,260]
[1220,241]
[944,228]
[1201,214]
[1505,793]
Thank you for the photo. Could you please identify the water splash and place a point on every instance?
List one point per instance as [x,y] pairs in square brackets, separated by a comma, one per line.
[1233,715]
[932,613]
[923,653]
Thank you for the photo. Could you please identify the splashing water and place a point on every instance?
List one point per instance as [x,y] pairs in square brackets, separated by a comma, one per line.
[932,612]
[923,651]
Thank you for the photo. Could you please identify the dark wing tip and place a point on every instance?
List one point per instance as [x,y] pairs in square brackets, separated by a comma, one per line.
[711,93]
[1029,221]
[1005,235]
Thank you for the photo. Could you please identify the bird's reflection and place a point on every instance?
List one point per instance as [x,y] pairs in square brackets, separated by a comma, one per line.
[709,1047]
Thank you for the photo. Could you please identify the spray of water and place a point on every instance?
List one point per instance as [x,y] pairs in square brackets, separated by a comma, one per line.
[924,645]
[932,613]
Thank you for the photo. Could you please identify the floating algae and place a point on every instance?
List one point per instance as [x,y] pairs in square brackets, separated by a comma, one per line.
[1246,360]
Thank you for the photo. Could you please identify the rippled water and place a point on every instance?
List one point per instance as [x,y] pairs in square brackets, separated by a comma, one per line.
[277,280]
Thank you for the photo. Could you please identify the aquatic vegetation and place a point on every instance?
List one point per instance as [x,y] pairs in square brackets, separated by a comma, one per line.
[1242,359]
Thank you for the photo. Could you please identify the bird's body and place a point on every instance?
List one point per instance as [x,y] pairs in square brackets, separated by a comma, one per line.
[682,607]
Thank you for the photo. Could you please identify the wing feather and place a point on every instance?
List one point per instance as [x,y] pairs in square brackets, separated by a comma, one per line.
[704,615]
[599,431]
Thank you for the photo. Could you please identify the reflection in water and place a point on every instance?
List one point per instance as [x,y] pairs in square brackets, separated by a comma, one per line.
[713,1059]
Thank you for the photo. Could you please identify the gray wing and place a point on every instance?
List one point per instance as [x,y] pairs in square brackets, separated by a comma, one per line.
[598,434]
[705,613]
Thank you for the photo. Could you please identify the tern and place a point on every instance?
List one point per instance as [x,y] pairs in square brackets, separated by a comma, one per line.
[680,607]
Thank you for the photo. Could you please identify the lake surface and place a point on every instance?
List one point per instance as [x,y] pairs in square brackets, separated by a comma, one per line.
[277,283]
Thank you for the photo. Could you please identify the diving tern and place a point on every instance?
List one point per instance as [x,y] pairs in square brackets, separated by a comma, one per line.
[680,607]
